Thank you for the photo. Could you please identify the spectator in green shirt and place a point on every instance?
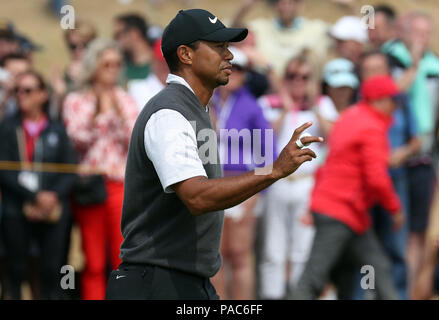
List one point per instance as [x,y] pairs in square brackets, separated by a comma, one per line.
[130,31]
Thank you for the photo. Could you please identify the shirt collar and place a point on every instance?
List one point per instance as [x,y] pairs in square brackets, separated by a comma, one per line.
[173,78]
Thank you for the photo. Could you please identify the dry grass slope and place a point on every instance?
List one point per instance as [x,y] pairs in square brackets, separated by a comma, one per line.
[33,19]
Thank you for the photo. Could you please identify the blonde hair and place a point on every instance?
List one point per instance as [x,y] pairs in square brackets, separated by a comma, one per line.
[91,57]
[304,58]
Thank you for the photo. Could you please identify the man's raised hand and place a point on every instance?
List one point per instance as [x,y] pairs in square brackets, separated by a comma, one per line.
[292,157]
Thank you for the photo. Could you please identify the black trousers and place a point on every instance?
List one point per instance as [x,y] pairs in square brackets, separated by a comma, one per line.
[148,282]
[18,233]
[422,181]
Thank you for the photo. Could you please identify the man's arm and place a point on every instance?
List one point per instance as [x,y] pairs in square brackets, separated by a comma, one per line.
[400,155]
[407,78]
[202,195]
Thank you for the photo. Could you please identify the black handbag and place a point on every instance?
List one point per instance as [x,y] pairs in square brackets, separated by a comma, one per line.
[90,190]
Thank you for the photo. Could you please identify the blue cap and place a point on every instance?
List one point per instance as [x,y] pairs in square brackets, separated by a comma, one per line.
[340,73]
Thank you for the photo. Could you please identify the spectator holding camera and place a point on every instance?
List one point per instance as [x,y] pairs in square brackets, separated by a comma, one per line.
[131,32]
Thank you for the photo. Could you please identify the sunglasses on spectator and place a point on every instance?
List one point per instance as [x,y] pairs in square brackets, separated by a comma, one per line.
[111,64]
[297,76]
[25,90]
[76,46]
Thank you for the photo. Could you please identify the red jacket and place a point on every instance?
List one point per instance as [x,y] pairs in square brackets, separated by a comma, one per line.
[355,175]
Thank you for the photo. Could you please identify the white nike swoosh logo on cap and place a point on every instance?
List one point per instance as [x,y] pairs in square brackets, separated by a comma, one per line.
[118,277]
[213,20]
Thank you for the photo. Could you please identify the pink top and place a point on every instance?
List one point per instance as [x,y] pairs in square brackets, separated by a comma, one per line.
[34,128]
[102,141]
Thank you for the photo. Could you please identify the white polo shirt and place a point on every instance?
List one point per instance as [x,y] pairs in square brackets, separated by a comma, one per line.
[169,136]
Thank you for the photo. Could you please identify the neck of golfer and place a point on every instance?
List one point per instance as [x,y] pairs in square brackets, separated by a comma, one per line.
[202,90]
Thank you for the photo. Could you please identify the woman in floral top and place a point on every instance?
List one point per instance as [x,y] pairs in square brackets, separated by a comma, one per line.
[99,119]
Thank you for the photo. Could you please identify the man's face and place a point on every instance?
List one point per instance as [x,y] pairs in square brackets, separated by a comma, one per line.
[286,10]
[342,97]
[420,32]
[383,32]
[349,49]
[29,95]
[374,65]
[122,35]
[211,63]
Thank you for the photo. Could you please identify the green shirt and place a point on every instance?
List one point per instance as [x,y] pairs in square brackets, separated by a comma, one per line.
[133,71]
[419,90]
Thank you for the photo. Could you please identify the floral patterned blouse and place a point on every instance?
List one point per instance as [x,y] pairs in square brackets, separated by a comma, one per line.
[101,140]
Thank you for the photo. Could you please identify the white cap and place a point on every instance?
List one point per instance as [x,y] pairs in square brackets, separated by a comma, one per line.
[239,57]
[349,28]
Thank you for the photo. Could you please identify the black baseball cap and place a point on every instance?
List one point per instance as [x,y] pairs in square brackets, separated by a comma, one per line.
[197,24]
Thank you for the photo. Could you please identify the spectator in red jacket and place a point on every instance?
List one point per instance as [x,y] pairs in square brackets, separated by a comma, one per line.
[354,177]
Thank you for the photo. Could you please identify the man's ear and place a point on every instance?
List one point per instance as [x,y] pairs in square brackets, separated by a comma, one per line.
[185,54]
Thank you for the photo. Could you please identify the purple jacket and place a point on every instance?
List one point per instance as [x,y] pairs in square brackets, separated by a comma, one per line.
[241,146]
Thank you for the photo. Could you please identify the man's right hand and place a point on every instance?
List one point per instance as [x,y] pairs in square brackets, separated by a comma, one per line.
[202,195]
[292,157]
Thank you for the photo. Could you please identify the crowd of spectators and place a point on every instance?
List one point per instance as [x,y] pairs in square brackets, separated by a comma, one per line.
[64,143]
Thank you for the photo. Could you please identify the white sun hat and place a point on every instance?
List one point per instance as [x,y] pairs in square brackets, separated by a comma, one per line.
[349,28]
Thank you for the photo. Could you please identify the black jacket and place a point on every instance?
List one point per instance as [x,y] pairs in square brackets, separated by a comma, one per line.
[54,147]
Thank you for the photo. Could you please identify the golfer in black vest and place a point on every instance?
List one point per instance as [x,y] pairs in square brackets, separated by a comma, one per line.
[175,194]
